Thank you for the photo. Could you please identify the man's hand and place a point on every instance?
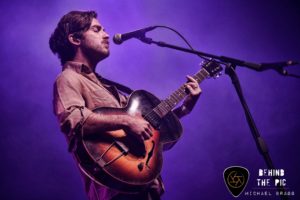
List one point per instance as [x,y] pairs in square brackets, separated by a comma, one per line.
[193,86]
[139,127]
[189,102]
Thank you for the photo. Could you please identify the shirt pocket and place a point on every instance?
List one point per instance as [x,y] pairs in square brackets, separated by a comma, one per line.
[102,98]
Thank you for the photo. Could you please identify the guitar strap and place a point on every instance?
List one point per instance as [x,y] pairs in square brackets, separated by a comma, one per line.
[119,86]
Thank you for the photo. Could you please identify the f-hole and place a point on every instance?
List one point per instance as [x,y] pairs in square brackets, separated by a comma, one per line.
[150,154]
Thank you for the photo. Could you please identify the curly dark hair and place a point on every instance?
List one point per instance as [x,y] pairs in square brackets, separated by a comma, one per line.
[74,22]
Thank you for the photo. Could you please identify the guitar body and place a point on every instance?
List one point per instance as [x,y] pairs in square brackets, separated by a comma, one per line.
[117,159]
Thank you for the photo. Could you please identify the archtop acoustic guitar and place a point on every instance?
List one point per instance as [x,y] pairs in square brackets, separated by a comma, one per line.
[121,162]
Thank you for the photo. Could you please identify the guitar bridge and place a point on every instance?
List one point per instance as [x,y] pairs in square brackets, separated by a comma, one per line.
[123,151]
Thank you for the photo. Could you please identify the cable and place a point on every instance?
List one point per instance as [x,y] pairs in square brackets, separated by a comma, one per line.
[183,38]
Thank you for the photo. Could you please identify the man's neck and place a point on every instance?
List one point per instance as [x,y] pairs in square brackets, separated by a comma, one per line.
[79,57]
[86,63]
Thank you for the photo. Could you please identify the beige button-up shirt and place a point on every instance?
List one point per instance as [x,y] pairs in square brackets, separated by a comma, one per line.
[77,91]
[77,87]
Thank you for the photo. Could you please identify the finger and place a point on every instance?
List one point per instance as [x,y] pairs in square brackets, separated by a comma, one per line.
[192,84]
[189,88]
[190,78]
[142,138]
[146,135]
[194,91]
[200,89]
[150,130]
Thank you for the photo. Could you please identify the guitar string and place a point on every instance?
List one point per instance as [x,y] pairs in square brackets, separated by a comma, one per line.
[165,106]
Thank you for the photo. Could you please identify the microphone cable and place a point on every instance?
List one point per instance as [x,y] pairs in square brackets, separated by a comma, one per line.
[183,38]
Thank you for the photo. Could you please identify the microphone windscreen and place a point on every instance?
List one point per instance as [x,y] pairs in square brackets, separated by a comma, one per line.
[117,38]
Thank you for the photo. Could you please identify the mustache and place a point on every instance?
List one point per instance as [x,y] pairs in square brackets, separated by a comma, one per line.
[105,42]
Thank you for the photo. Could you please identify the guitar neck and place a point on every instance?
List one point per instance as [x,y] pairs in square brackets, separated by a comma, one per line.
[176,97]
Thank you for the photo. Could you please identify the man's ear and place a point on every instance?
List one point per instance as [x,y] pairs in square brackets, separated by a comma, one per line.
[74,40]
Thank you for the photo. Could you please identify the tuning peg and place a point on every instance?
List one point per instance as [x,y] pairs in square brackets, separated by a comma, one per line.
[217,75]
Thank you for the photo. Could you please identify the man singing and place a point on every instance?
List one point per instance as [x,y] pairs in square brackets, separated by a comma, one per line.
[80,42]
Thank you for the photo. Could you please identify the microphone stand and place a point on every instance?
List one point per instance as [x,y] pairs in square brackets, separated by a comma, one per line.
[231,64]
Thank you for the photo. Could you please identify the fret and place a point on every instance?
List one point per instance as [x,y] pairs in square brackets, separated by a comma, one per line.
[170,101]
[176,97]
[201,75]
[162,109]
[157,111]
[204,73]
[198,77]
[153,118]
[167,105]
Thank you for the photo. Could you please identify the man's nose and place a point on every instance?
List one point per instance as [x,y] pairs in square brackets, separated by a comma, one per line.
[106,35]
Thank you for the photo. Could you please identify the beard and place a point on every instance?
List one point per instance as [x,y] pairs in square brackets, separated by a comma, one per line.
[95,51]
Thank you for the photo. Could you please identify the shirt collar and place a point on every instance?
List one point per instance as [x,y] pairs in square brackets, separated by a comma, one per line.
[78,67]
[88,73]
[82,69]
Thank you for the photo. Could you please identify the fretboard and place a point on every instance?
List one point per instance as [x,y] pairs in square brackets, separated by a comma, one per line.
[176,97]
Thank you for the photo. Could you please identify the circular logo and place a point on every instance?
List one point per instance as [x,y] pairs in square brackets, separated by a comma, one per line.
[235,179]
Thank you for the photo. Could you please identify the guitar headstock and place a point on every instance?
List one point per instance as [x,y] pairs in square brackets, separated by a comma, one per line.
[212,67]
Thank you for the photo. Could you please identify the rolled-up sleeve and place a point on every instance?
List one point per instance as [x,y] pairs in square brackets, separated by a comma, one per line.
[69,104]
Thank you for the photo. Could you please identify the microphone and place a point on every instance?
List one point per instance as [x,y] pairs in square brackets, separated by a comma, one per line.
[120,38]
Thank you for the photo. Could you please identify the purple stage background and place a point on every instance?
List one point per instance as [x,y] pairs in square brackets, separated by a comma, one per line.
[35,163]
